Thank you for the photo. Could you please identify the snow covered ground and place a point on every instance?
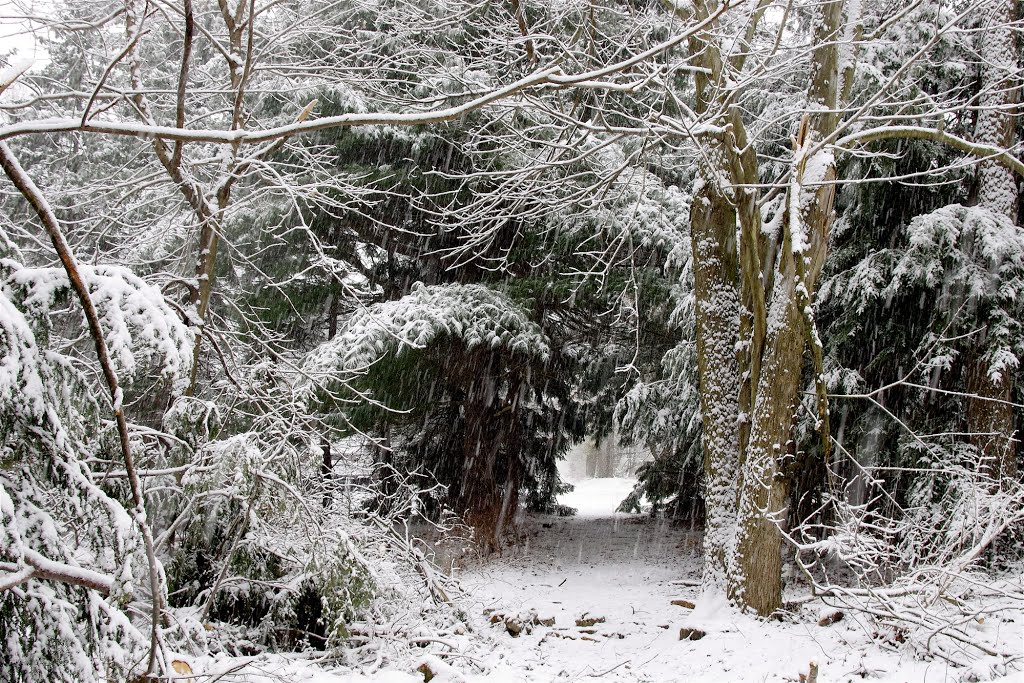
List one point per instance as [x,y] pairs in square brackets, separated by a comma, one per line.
[608,582]
[628,569]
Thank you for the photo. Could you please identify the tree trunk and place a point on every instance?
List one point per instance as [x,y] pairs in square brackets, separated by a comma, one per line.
[989,421]
[327,463]
[717,311]
[715,272]
[479,497]
[757,582]
[753,329]
[326,470]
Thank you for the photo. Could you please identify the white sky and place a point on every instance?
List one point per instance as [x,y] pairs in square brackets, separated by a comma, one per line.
[18,33]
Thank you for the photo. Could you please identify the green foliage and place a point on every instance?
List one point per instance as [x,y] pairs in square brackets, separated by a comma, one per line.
[454,370]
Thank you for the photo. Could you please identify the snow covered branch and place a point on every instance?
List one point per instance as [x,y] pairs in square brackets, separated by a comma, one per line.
[976,149]
[31,192]
[552,76]
[39,567]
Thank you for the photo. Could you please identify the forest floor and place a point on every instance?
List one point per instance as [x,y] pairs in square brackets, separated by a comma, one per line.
[621,569]
[608,581]
[627,569]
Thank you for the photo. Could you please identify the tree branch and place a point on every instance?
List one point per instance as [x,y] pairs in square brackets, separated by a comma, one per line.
[31,192]
[975,149]
[551,77]
[39,567]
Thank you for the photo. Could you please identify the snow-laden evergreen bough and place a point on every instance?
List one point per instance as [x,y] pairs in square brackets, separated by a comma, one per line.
[473,314]
[250,556]
[72,572]
[466,392]
[923,516]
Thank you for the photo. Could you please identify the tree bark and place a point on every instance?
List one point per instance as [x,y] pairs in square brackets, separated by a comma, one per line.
[327,460]
[753,328]
[715,272]
[990,420]
[989,416]
[758,584]
[717,311]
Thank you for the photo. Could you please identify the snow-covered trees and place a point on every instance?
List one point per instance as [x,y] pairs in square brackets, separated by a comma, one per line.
[990,377]
[754,282]
[920,295]
[466,393]
[760,231]
[466,231]
[196,120]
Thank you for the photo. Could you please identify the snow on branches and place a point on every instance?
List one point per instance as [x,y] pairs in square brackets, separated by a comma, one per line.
[973,257]
[69,550]
[474,314]
[140,328]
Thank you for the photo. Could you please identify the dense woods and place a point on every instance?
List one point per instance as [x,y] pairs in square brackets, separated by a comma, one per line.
[285,286]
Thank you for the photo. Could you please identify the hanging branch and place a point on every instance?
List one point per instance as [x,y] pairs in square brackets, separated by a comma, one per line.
[31,192]
[39,567]
[524,30]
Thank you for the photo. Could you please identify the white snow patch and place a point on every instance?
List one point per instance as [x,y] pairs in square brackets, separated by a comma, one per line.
[598,497]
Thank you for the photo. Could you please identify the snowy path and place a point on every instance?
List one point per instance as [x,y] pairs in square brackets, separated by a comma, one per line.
[628,569]
[619,567]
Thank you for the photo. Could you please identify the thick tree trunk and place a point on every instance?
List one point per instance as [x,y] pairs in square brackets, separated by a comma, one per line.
[489,450]
[715,275]
[989,421]
[757,581]
[717,297]
[509,499]
[753,329]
